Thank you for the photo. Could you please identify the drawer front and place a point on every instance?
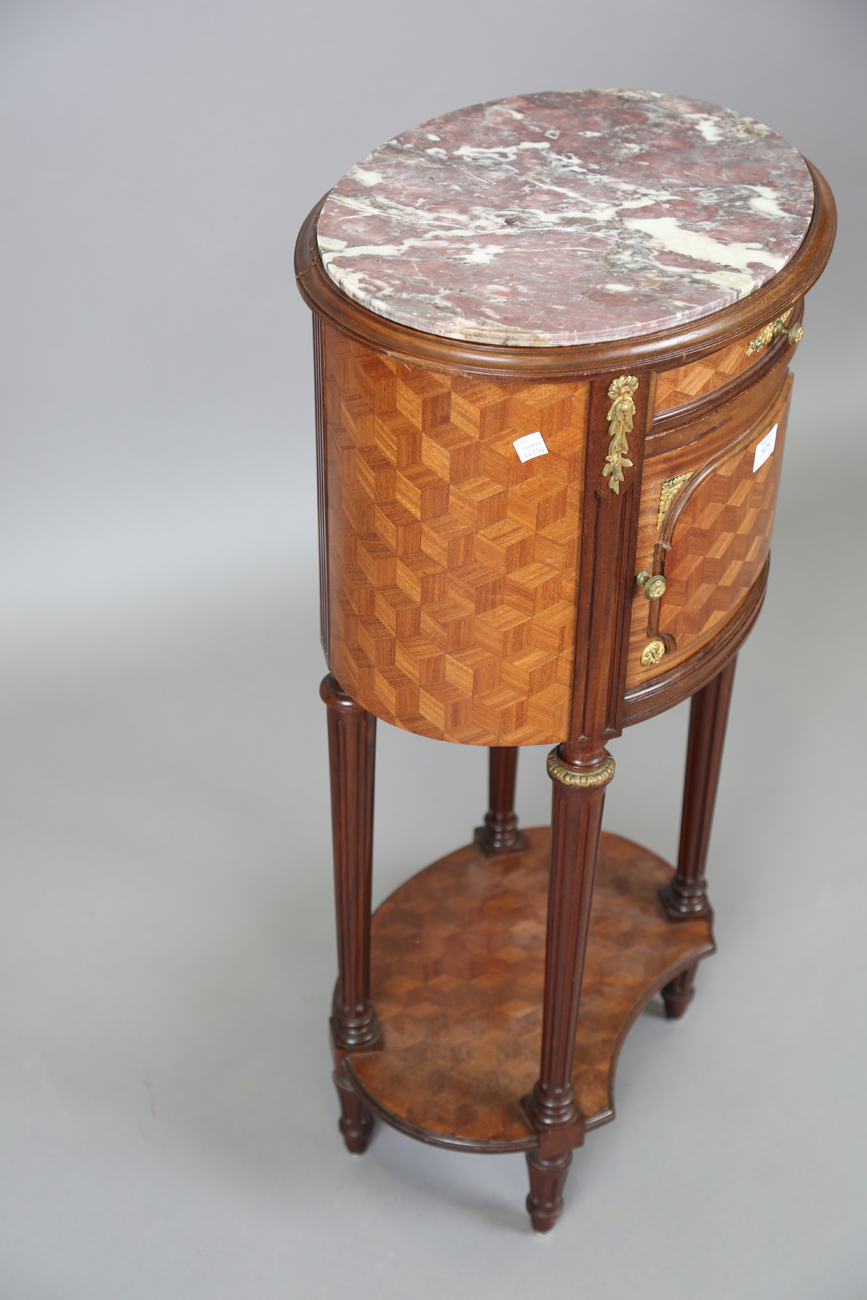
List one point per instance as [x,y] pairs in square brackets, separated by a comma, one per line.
[684,387]
[685,384]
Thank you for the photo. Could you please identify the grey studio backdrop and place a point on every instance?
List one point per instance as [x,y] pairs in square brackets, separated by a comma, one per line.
[168,1126]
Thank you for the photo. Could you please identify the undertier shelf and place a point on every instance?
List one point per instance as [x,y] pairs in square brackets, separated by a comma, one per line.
[458,958]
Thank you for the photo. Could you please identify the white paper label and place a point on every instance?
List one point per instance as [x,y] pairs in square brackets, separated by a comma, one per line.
[764,448]
[532,444]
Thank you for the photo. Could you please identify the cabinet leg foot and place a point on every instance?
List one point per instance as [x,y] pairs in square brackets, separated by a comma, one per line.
[547,1180]
[356,1121]
[686,896]
[679,993]
[500,834]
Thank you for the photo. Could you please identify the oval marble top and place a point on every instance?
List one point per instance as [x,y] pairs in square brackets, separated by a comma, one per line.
[565,218]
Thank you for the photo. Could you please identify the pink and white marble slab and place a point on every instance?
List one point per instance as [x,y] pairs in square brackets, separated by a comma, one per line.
[566,218]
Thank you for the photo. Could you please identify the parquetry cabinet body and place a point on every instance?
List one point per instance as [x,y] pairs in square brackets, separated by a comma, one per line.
[552,396]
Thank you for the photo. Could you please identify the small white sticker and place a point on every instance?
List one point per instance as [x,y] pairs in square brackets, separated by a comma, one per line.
[764,448]
[532,444]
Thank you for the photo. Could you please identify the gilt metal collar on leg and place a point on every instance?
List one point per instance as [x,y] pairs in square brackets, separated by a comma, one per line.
[567,776]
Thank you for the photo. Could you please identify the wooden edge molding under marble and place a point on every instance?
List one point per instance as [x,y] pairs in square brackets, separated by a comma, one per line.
[673,347]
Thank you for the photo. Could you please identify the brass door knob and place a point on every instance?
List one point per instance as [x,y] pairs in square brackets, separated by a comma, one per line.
[652,653]
[653,585]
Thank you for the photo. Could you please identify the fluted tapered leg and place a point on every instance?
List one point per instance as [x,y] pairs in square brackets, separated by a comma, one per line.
[686,896]
[579,780]
[351,749]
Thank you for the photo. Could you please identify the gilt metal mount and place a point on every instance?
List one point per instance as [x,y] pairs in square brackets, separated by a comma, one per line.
[774,331]
[620,416]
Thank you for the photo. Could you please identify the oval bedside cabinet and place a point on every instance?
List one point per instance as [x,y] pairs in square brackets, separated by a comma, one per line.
[552,338]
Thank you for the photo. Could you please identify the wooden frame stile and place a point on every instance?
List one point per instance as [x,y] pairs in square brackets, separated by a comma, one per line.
[580,770]
[321,481]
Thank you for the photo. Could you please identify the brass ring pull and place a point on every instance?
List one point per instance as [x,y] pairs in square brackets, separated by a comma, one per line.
[653,585]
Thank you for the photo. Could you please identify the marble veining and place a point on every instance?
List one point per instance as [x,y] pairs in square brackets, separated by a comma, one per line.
[566,218]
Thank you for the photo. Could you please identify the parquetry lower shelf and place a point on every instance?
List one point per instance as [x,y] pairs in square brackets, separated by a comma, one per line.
[457,970]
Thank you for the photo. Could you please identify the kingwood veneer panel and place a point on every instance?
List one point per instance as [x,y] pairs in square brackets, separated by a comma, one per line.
[451,565]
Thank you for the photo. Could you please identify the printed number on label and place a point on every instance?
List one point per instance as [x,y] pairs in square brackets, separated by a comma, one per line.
[764,448]
[532,444]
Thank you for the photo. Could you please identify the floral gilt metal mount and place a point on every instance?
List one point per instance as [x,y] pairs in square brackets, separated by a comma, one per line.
[620,416]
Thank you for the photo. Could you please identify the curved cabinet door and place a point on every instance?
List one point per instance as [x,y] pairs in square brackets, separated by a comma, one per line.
[714,525]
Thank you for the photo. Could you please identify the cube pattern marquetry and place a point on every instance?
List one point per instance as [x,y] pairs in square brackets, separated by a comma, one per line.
[684,384]
[452,565]
[458,961]
[719,544]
